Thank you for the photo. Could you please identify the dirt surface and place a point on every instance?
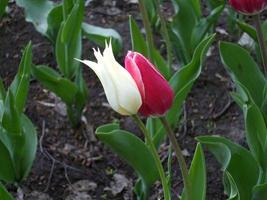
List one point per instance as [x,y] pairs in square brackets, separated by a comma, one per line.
[73,164]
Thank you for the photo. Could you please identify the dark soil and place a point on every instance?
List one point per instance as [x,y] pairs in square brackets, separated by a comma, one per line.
[66,156]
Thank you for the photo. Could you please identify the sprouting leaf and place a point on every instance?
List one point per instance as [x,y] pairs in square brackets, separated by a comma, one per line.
[204,24]
[197,175]
[138,41]
[20,85]
[69,41]
[24,149]
[54,19]
[11,117]
[139,45]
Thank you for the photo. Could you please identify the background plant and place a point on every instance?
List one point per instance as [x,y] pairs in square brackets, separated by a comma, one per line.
[236,161]
[63,25]
[69,84]
[18,138]
[47,17]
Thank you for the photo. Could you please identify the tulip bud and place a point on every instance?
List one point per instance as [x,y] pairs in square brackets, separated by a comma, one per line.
[157,95]
[120,88]
[248,7]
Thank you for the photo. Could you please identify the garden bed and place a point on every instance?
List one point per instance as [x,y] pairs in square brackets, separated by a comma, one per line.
[66,156]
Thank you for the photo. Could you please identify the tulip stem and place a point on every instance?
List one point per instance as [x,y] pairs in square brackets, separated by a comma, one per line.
[164,182]
[179,155]
[165,34]
[261,41]
[149,36]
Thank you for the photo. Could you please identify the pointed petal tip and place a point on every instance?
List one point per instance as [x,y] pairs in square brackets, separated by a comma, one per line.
[79,60]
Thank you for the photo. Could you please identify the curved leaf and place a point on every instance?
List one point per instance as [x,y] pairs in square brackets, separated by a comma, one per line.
[51,80]
[238,162]
[4,195]
[26,154]
[197,175]
[37,12]
[260,192]
[132,149]
[243,69]
[101,35]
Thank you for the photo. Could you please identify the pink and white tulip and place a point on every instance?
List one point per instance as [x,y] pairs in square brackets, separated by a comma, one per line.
[119,86]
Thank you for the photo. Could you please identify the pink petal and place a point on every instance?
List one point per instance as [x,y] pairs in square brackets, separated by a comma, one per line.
[158,96]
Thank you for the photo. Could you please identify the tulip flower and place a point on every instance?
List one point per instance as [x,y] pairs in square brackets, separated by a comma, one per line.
[157,94]
[248,7]
[120,88]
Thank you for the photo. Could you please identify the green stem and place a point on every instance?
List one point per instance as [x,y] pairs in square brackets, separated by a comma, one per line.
[261,41]
[74,116]
[165,34]
[153,149]
[149,36]
[179,155]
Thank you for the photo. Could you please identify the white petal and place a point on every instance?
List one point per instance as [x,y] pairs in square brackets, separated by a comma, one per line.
[120,88]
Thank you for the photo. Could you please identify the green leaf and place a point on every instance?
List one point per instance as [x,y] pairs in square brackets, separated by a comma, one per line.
[151,11]
[214,3]
[137,39]
[243,69]
[237,162]
[25,147]
[11,117]
[3,4]
[256,133]
[181,82]
[230,187]
[203,26]
[69,43]
[4,195]
[250,30]
[72,25]
[182,27]
[132,149]
[54,19]
[197,175]
[7,170]
[139,45]
[62,87]
[37,12]
[20,85]
[2,92]
[260,192]
[101,35]
[82,93]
